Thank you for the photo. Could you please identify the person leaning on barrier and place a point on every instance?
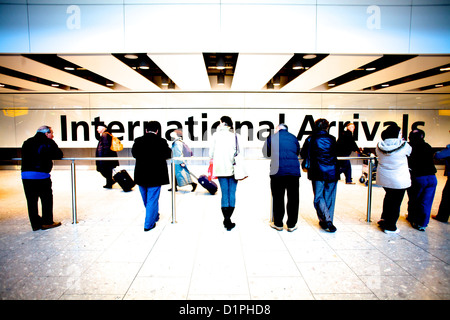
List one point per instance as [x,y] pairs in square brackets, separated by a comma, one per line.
[37,155]
[151,153]
[444,207]
[283,149]
[393,175]
[346,144]
[423,180]
[320,147]
[105,167]
[182,174]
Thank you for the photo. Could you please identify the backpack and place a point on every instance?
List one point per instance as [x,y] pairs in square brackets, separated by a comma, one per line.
[187,152]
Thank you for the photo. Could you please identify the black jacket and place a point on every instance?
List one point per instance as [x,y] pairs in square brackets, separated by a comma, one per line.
[322,152]
[38,153]
[346,144]
[283,148]
[421,161]
[151,153]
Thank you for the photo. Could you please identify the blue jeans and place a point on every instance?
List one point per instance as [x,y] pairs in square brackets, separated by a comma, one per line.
[228,187]
[421,196]
[324,199]
[150,196]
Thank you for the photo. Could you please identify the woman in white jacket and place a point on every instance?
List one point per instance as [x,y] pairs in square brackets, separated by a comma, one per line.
[393,175]
[222,150]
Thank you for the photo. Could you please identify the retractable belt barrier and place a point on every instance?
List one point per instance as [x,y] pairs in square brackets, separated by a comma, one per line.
[74,193]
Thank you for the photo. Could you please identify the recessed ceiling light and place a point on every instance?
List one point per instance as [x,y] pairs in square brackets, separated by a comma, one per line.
[69,68]
[370,69]
[385,85]
[309,56]
[438,85]
[131,56]
[331,84]
[445,69]
[2,85]
[55,85]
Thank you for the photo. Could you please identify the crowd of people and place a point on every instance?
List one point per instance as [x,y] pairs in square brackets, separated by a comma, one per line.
[403,167]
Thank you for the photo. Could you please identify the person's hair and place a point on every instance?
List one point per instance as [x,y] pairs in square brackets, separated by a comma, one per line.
[391,132]
[44,129]
[416,135]
[321,124]
[152,126]
[282,126]
[227,120]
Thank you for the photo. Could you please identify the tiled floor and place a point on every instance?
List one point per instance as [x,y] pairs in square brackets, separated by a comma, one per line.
[107,255]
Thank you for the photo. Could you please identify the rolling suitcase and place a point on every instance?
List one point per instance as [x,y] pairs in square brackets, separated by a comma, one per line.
[211,186]
[124,180]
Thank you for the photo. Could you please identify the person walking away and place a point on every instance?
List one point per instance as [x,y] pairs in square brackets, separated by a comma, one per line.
[151,152]
[105,167]
[222,151]
[346,144]
[423,180]
[393,175]
[37,155]
[444,207]
[182,174]
[320,147]
[283,149]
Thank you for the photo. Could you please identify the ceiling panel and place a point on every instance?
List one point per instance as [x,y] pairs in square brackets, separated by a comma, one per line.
[329,68]
[414,65]
[25,84]
[440,78]
[253,71]
[29,66]
[113,69]
[188,71]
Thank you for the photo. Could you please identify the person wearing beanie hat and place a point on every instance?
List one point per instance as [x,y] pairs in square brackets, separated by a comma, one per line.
[392,174]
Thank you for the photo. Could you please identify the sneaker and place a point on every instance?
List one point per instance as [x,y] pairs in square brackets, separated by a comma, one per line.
[272,225]
[391,231]
[292,229]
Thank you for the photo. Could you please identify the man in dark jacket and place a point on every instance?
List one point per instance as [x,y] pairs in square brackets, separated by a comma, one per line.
[105,167]
[345,146]
[320,147]
[37,155]
[151,153]
[444,207]
[283,149]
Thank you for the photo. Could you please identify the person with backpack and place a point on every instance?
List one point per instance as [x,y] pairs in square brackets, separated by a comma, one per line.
[181,149]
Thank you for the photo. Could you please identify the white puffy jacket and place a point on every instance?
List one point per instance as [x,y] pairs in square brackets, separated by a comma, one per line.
[222,149]
[393,170]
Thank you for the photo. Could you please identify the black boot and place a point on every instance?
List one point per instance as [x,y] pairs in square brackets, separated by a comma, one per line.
[227,212]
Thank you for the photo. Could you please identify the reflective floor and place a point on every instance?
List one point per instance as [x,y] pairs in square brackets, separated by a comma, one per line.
[107,254]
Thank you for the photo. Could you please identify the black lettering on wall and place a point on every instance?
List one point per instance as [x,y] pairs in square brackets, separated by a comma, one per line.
[75,126]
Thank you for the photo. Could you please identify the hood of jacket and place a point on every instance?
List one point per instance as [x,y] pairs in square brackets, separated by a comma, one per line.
[389,146]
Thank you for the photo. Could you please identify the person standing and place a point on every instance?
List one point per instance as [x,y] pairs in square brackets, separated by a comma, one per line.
[182,174]
[393,175]
[105,167]
[320,148]
[151,153]
[444,207]
[284,149]
[423,180]
[222,151]
[346,144]
[37,155]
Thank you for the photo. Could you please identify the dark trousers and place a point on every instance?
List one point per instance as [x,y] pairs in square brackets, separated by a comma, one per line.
[421,196]
[391,207]
[36,189]
[444,207]
[107,174]
[345,167]
[324,199]
[280,186]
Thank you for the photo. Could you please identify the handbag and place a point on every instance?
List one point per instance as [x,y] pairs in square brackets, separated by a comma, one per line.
[116,144]
[239,163]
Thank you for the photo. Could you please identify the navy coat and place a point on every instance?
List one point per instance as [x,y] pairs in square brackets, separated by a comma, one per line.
[283,148]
